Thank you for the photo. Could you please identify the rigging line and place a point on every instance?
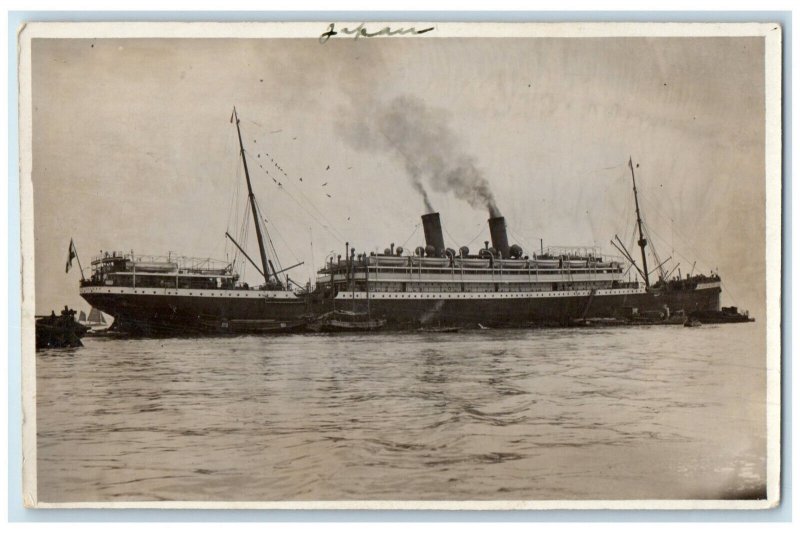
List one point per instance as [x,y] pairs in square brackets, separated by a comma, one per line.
[630,266]
[653,250]
[698,260]
[664,218]
[452,240]
[311,241]
[233,207]
[306,198]
[310,202]
[315,208]
[261,221]
[232,199]
[632,239]
[336,234]
[330,229]
[483,229]
[251,121]
[412,234]
[244,232]
[730,294]
[244,224]
[521,241]
[280,236]
[653,205]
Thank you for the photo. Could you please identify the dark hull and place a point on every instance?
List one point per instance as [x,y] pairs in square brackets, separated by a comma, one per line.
[143,314]
[716,317]
[524,312]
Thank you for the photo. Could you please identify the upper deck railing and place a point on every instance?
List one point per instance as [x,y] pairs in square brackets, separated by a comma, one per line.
[472,263]
[177,262]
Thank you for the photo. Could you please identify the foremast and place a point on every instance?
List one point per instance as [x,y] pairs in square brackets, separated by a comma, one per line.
[261,248]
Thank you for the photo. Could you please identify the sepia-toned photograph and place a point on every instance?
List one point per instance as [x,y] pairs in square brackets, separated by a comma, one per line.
[401,265]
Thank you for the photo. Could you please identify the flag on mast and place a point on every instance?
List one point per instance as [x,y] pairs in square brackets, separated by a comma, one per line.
[71,254]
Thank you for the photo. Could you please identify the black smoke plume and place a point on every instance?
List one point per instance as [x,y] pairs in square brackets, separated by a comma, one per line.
[423,140]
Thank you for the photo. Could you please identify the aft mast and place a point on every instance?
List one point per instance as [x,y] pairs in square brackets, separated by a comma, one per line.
[252,198]
[642,241]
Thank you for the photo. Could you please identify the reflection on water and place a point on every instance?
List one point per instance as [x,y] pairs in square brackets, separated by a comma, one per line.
[646,413]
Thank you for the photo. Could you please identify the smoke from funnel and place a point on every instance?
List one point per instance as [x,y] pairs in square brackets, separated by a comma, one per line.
[417,184]
[423,140]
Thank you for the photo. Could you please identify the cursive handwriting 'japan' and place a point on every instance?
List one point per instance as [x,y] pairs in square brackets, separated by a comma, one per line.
[361,31]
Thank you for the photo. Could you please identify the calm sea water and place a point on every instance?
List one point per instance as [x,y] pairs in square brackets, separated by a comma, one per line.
[660,412]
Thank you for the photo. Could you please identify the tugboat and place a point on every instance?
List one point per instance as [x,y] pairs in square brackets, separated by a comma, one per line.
[59,331]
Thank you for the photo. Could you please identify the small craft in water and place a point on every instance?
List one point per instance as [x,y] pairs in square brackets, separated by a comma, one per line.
[726,315]
[61,331]
[439,329]
[338,321]
[254,326]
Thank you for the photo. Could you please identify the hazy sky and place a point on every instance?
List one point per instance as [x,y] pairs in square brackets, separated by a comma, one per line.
[133,148]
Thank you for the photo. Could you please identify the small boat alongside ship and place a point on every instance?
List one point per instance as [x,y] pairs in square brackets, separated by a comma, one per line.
[346,321]
[253,326]
[428,288]
[726,315]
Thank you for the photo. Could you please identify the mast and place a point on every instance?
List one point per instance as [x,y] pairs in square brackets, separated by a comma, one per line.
[642,241]
[252,198]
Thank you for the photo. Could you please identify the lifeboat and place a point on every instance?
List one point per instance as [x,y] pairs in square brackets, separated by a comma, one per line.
[388,260]
[431,262]
[470,262]
[512,263]
[545,263]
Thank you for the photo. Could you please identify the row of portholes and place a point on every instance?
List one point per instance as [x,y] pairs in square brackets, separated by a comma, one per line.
[428,295]
[190,294]
[543,294]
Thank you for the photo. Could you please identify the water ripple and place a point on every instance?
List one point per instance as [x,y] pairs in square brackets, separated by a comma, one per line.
[541,414]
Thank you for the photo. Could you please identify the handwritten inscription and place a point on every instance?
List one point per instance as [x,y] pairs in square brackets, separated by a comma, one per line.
[361,31]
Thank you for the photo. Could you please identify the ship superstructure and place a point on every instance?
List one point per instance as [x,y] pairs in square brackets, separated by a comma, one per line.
[497,286]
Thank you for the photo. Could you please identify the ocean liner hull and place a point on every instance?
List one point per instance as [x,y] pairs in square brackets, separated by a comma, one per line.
[153,312]
[552,308]
[190,312]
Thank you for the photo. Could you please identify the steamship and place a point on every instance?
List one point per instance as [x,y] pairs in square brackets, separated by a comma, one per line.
[499,285]
[150,295]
